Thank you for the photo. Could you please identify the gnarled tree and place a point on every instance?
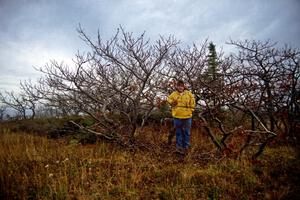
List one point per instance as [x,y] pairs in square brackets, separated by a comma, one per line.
[116,83]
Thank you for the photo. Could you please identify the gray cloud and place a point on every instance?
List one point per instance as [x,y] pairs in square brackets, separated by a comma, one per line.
[35,31]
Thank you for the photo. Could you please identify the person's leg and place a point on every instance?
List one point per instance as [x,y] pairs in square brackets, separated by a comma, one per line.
[178,126]
[187,133]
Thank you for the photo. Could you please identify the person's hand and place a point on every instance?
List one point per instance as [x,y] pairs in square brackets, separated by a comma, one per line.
[174,103]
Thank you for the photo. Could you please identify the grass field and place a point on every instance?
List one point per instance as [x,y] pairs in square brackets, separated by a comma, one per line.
[35,167]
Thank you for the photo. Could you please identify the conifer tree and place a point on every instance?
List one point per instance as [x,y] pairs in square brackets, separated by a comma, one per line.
[212,62]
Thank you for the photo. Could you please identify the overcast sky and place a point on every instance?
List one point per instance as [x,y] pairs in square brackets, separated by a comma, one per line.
[32,32]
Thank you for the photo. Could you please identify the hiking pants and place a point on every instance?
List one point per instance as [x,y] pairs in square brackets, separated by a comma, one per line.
[183,128]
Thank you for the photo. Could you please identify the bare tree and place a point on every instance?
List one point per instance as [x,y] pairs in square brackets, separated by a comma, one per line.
[116,83]
[261,66]
[265,79]
[289,91]
[188,64]
[24,105]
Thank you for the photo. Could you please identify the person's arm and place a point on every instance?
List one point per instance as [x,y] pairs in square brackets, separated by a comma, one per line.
[171,100]
[192,102]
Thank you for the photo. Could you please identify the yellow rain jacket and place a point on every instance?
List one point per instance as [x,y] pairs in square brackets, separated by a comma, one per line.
[185,104]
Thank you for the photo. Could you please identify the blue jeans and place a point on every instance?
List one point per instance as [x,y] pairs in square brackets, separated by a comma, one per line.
[183,128]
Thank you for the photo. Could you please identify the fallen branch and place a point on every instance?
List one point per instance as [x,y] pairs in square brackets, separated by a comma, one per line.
[210,134]
[260,122]
[91,131]
[269,138]
[226,134]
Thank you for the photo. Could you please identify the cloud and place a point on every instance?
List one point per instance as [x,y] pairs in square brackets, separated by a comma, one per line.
[35,31]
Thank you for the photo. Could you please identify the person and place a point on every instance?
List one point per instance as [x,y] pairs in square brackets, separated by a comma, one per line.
[182,104]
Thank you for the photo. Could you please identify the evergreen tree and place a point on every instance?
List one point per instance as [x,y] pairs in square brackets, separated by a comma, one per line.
[212,76]
[212,70]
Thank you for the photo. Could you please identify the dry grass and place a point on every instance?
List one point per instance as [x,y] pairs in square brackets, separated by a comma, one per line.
[34,167]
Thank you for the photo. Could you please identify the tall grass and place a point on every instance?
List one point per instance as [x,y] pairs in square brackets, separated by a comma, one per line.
[34,167]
